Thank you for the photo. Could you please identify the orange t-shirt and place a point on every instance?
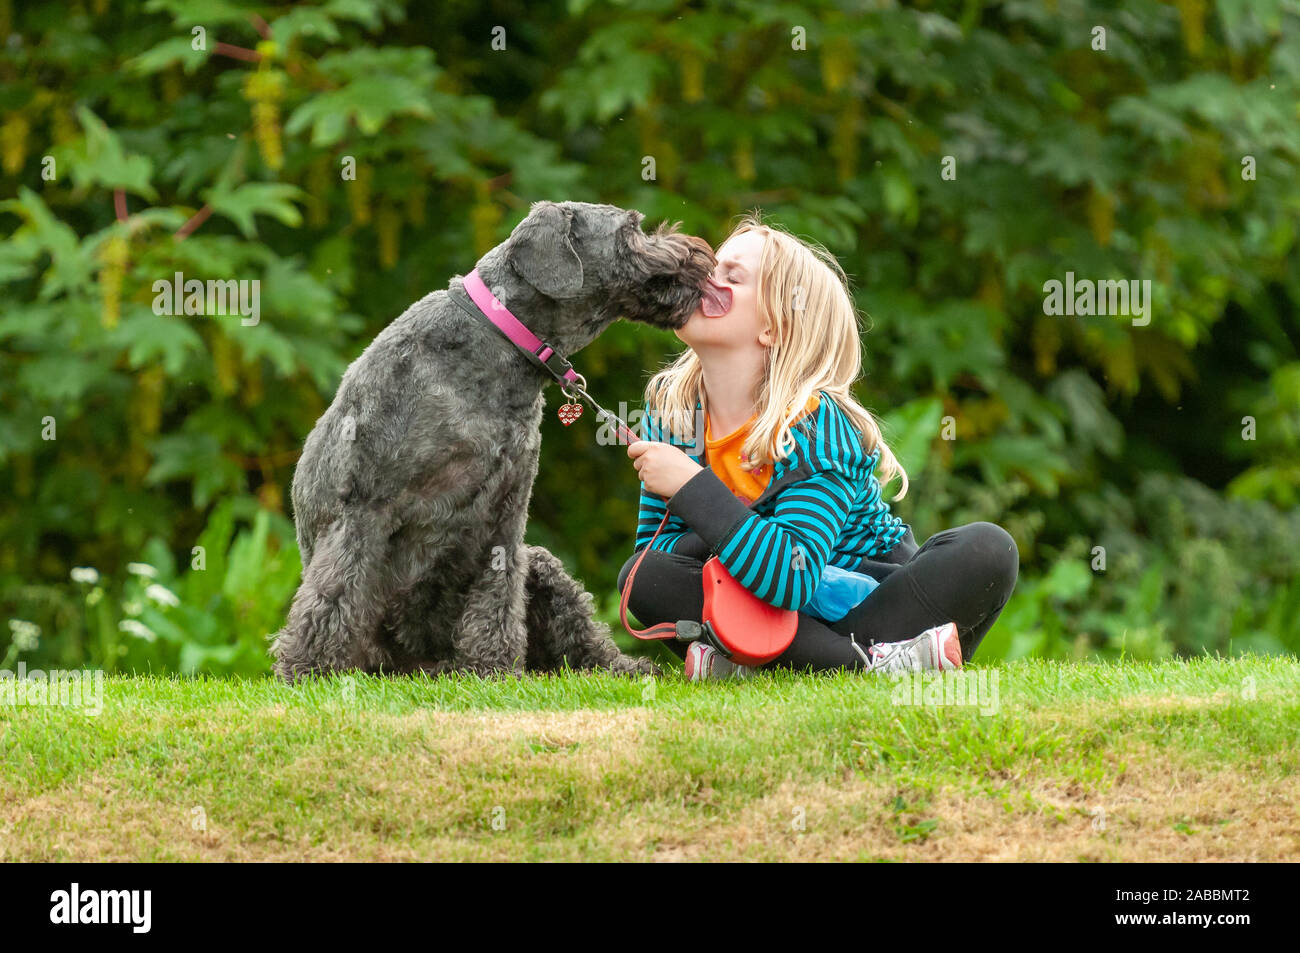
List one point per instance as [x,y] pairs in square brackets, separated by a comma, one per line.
[725,454]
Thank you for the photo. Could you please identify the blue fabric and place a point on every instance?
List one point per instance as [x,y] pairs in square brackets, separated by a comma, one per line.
[838,592]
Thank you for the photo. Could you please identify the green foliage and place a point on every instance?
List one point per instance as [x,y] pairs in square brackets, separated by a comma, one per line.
[128,435]
[212,617]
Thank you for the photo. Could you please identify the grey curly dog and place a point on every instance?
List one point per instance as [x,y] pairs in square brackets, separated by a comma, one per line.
[412,491]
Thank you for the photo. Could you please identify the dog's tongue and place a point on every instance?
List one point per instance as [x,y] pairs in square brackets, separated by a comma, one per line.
[717,299]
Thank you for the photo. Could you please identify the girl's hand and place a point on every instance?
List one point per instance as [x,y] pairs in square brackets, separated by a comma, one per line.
[663,468]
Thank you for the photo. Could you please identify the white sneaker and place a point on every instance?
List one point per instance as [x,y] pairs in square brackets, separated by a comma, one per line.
[934,649]
[704,661]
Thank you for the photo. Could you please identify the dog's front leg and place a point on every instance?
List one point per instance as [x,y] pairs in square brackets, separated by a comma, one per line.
[490,637]
[334,619]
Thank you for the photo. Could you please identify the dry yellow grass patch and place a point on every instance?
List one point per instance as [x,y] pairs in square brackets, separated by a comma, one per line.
[432,792]
[96,820]
[468,731]
[380,801]
[1226,817]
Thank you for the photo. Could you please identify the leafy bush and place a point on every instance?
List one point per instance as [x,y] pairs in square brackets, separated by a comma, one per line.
[213,616]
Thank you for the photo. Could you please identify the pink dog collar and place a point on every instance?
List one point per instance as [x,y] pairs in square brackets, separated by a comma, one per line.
[538,350]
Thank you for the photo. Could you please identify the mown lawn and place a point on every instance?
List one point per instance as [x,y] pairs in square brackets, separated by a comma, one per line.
[1182,760]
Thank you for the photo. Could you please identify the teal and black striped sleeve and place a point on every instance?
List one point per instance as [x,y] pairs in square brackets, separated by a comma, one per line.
[650,509]
[779,558]
[649,513]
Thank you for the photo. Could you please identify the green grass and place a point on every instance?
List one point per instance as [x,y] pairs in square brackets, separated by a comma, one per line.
[1185,760]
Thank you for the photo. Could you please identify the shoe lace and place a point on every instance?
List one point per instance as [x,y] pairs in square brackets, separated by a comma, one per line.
[886,657]
[857,648]
[893,657]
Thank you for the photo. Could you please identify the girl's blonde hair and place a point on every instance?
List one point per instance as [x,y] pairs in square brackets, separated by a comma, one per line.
[804,302]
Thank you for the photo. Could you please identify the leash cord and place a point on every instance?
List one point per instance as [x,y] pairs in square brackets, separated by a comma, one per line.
[623,431]
[662,630]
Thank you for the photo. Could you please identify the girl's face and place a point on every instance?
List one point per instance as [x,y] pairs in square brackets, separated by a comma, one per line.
[740,327]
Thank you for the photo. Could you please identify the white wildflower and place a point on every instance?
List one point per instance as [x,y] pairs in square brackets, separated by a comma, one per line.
[85,574]
[142,569]
[162,595]
[26,634]
[137,628]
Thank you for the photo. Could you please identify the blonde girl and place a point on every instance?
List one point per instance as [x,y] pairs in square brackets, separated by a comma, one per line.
[761,456]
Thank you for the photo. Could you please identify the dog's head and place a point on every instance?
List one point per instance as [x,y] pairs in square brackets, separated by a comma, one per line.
[573,268]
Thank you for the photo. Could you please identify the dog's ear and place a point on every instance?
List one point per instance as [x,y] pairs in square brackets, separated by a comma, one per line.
[543,255]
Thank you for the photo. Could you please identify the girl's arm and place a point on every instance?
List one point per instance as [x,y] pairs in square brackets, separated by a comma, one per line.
[649,513]
[676,537]
[778,558]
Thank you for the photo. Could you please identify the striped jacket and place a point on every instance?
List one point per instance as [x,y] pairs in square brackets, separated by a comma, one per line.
[823,506]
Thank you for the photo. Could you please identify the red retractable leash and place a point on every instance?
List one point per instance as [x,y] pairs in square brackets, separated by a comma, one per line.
[737,623]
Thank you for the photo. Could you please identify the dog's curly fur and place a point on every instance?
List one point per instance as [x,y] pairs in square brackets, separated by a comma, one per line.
[412,492]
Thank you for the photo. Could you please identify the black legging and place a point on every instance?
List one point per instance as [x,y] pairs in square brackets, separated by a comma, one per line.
[963,575]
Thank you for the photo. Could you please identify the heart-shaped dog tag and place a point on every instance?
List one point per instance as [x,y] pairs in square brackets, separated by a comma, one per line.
[569,413]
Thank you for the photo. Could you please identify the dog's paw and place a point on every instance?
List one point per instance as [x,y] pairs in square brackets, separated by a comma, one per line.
[488,671]
[633,665]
